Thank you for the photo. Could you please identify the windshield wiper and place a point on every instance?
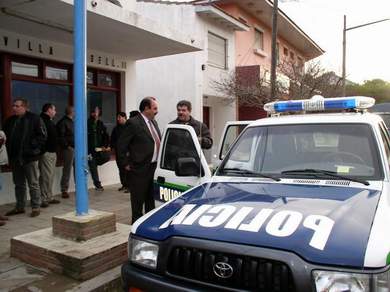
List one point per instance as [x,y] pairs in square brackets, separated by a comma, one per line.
[325,172]
[248,173]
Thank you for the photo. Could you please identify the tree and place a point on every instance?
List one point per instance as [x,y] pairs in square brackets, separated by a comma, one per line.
[376,88]
[251,87]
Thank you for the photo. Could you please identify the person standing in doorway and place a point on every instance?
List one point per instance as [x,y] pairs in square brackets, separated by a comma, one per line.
[98,140]
[184,117]
[65,131]
[26,138]
[121,119]
[138,148]
[47,162]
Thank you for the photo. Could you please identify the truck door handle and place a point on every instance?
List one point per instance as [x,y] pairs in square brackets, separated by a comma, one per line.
[161,180]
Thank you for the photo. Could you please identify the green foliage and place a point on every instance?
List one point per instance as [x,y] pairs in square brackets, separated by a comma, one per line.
[376,88]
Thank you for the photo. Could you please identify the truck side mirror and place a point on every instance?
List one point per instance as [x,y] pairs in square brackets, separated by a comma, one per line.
[187,166]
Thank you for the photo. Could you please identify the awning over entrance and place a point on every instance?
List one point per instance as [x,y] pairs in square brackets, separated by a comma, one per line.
[111,29]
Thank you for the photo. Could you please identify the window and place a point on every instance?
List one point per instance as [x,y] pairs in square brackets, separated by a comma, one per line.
[106,80]
[37,94]
[178,144]
[217,50]
[277,54]
[384,137]
[56,73]
[292,55]
[25,69]
[259,39]
[90,78]
[347,149]
[107,102]
[285,51]
[230,136]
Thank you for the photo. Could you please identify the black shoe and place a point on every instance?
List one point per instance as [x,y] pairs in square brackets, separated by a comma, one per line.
[44,204]
[54,201]
[99,188]
[65,195]
[35,212]
[15,212]
[122,188]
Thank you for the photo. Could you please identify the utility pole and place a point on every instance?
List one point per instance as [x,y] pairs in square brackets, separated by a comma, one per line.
[273,53]
[344,51]
[345,29]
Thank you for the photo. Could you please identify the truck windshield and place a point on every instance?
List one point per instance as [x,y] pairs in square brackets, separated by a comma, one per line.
[348,150]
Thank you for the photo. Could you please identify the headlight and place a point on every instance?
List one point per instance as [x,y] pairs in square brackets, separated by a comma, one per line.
[143,252]
[327,281]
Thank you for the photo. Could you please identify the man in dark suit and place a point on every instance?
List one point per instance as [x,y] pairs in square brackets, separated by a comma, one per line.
[138,148]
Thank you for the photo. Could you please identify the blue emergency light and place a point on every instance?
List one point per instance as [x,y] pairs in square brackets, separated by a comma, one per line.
[319,103]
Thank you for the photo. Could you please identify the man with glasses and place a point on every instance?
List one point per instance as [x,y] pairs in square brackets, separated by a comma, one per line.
[27,136]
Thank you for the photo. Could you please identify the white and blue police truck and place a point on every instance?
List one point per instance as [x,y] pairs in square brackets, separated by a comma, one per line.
[300,202]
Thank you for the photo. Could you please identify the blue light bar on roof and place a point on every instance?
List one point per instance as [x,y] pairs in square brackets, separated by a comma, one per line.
[319,103]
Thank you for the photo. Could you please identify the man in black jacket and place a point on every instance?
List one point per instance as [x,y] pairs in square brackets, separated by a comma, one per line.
[47,162]
[65,130]
[98,141]
[26,140]
[121,119]
[138,148]
[184,117]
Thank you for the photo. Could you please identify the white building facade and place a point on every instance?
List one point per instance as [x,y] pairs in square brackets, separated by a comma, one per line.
[36,56]
[190,76]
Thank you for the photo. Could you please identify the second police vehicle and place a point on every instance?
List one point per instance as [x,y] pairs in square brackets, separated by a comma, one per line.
[300,202]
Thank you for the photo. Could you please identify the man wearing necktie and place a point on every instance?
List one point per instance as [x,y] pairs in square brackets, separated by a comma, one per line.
[138,148]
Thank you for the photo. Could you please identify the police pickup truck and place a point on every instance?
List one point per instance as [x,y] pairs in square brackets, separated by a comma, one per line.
[300,202]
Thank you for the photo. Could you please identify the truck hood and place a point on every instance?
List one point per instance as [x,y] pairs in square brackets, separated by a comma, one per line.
[322,224]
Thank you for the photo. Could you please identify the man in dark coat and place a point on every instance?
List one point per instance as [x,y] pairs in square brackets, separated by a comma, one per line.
[65,130]
[121,119]
[26,135]
[138,148]
[98,140]
[47,162]
[184,117]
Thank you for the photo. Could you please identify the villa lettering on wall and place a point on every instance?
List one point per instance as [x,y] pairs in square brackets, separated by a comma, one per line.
[20,44]
[23,45]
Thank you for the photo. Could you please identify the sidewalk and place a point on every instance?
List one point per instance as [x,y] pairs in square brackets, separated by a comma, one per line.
[17,276]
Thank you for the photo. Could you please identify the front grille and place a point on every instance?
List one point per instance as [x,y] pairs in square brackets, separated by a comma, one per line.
[249,273]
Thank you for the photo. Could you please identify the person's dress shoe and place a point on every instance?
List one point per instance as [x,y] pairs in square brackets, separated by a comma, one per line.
[35,212]
[2,223]
[15,212]
[121,189]
[44,204]
[64,195]
[3,218]
[54,201]
[100,189]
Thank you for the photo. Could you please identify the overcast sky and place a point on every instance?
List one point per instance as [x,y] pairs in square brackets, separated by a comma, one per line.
[368,48]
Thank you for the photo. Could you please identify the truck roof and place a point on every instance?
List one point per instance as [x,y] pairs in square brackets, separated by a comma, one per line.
[326,118]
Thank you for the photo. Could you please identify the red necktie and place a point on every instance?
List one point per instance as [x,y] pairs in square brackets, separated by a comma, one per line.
[155,135]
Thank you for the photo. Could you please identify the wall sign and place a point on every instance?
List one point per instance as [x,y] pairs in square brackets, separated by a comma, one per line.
[31,46]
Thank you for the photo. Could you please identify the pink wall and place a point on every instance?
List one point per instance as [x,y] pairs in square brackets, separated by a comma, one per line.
[244,43]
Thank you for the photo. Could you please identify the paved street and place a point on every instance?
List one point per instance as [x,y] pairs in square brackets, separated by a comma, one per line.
[16,276]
